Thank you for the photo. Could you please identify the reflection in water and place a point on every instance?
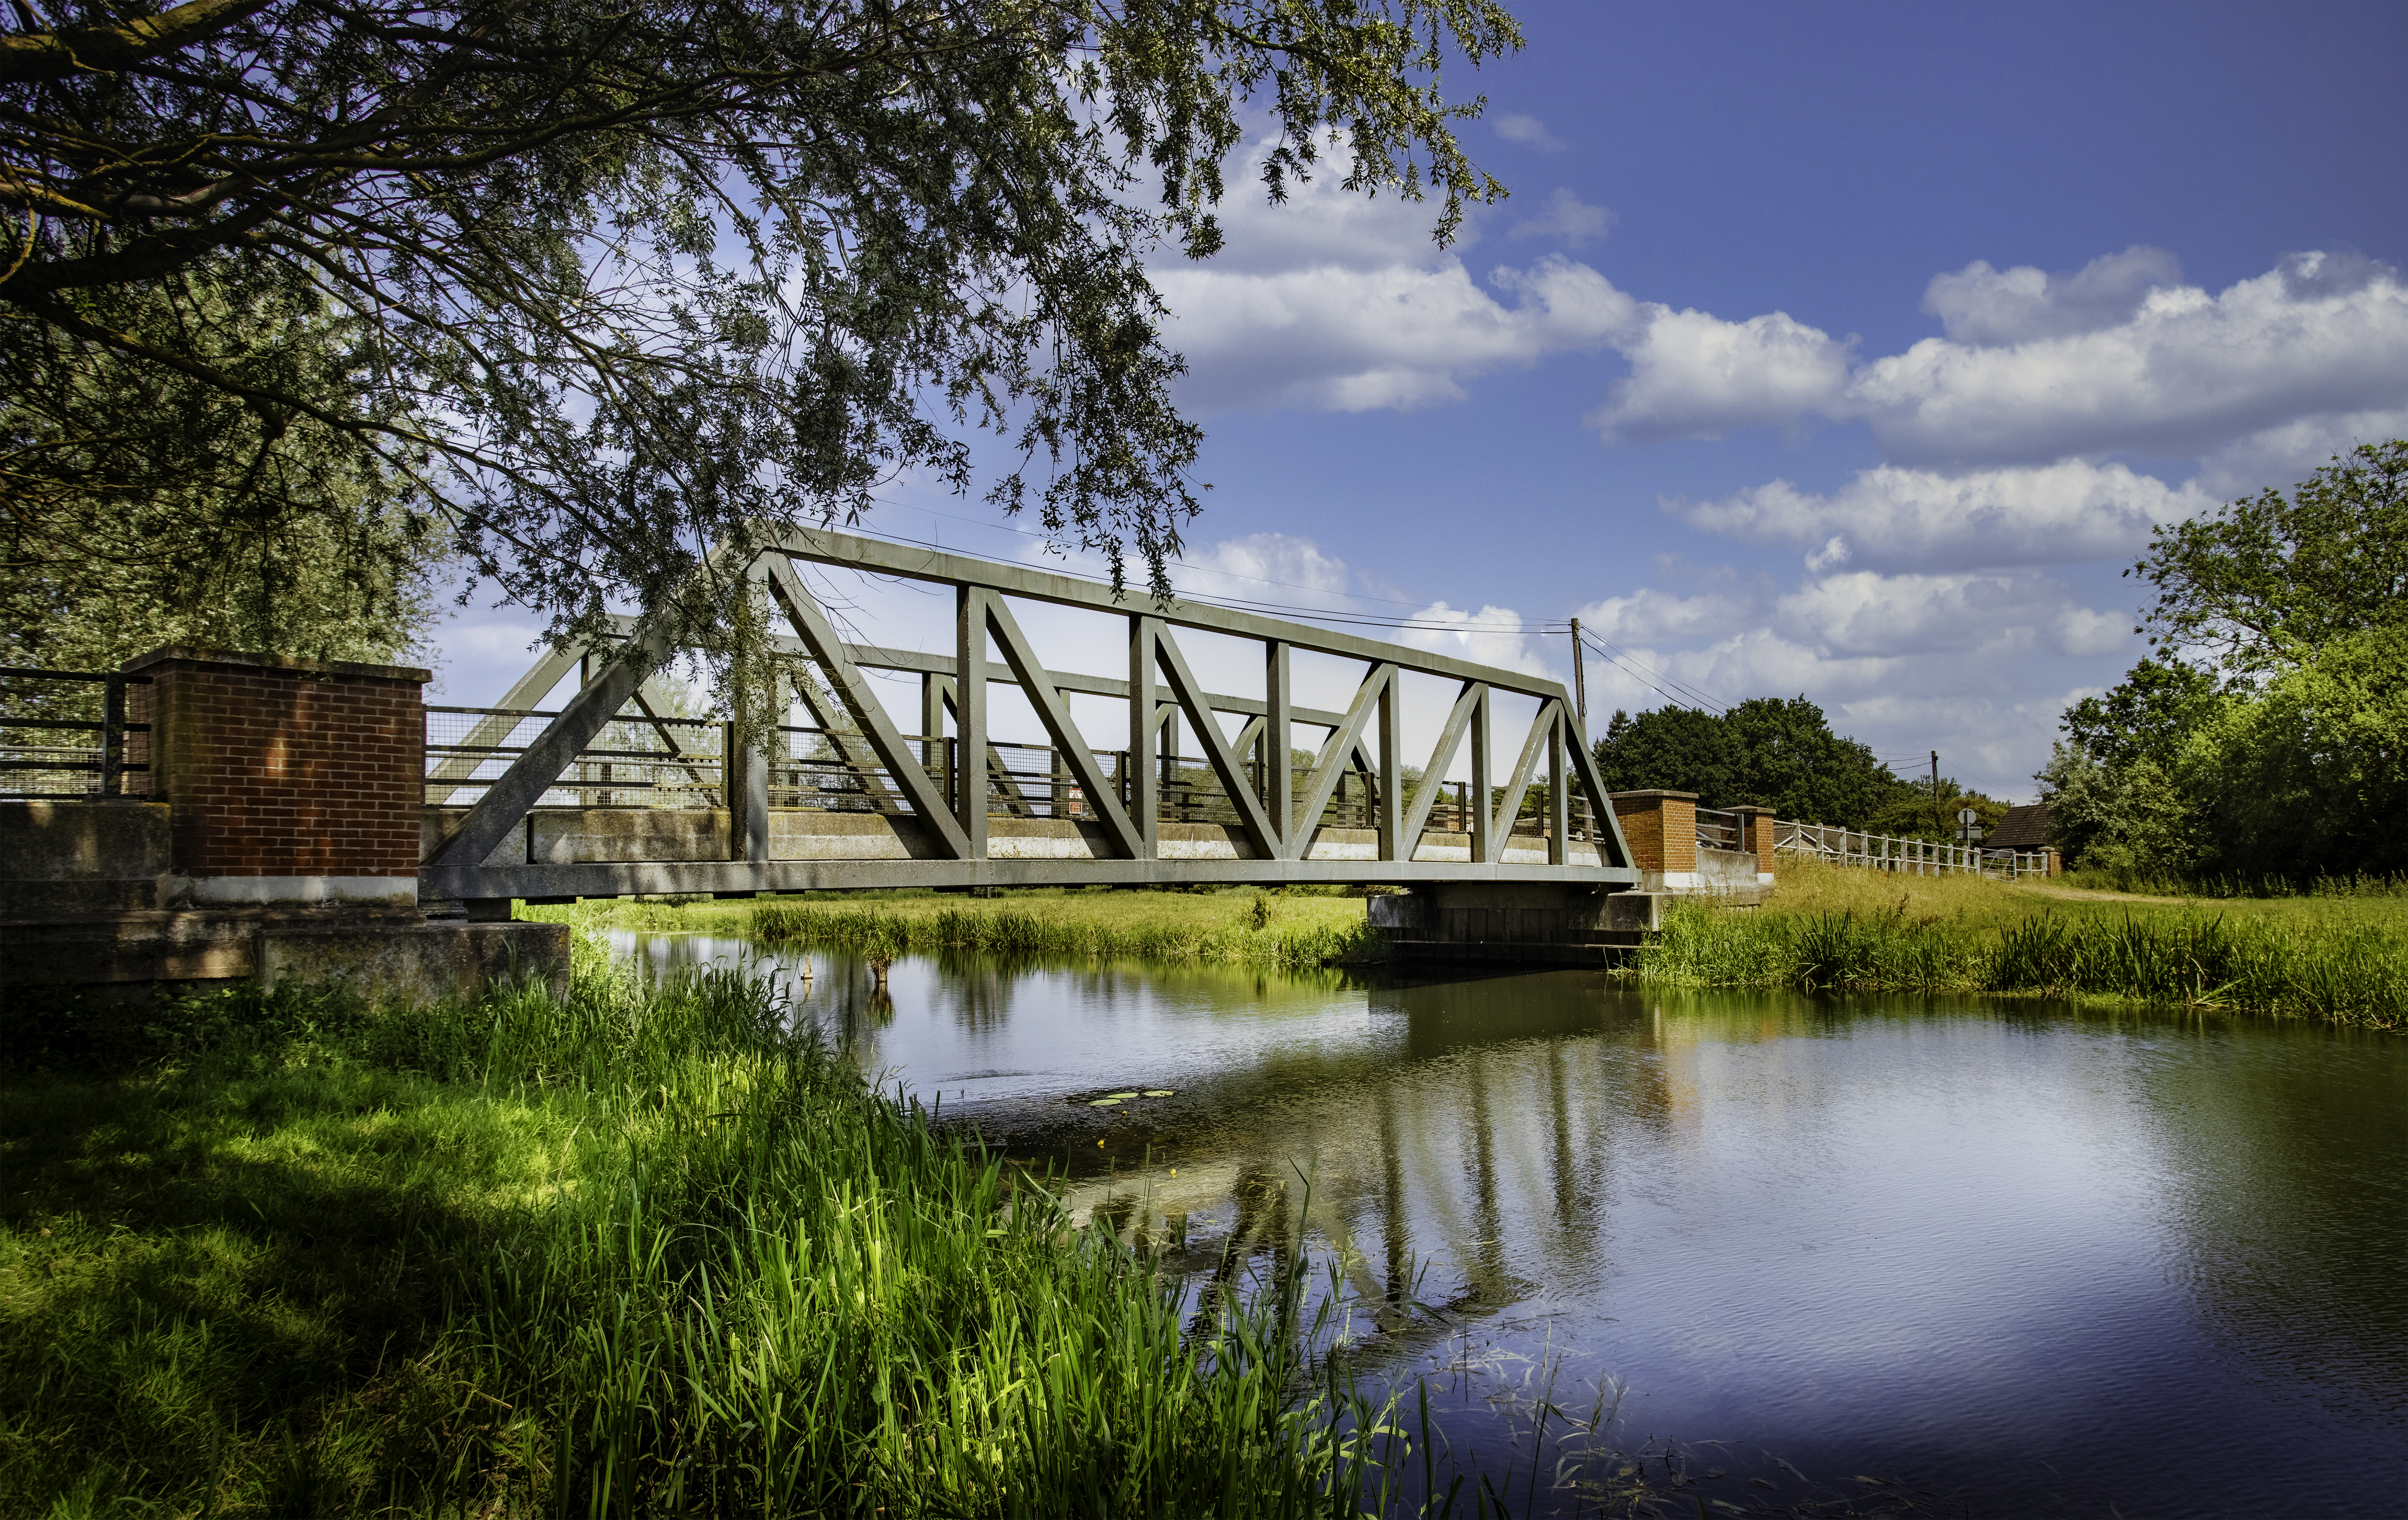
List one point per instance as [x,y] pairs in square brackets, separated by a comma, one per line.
[2056,1260]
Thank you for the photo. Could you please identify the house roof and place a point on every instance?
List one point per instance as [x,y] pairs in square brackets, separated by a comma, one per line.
[2022,828]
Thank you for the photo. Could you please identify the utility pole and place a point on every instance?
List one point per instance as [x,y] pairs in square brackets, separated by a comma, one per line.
[1936,821]
[1579,683]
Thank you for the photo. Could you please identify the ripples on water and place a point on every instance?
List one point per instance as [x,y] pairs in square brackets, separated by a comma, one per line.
[2050,1261]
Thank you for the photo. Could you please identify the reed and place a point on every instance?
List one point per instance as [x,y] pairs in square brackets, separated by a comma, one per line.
[1260,935]
[629,1251]
[2350,972]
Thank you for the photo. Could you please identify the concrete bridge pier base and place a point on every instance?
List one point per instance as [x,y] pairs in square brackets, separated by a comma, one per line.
[1518,924]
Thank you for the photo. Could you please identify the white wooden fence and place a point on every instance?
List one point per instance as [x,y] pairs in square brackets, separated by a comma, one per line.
[1912,857]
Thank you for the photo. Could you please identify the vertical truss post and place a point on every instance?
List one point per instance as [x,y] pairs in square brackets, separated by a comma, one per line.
[1144,777]
[1480,801]
[1559,793]
[112,736]
[746,773]
[932,730]
[748,800]
[970,711]
[1390,817]
[1278,781]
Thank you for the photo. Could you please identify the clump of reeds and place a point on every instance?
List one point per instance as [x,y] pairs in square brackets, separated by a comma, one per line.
[637,1250]
[2353,973]
[1258,939]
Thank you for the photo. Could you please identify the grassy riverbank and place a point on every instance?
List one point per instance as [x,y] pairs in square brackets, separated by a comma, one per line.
[1238,926]
[623,1253]
[2339,958]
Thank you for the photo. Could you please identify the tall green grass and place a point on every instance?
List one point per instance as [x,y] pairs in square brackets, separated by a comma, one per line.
[628,1252]
[2156,883]
[1258,939]
[2349,972]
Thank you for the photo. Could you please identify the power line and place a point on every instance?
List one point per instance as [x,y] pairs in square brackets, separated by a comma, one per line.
[1669,687]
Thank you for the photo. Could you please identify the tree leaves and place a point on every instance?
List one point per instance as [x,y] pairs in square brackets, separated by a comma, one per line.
[2266,579]
[599,287]
[1764,752]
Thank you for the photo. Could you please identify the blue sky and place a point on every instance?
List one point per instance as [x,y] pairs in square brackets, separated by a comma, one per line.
[1849,350]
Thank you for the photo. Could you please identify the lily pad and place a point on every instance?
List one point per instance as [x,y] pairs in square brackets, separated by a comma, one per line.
[1105,1103]
[1162,1092]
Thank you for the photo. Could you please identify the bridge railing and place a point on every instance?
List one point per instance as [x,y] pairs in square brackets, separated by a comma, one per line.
[635,761]
[1719,830]
[1909,857]
[638,760]
[73,733]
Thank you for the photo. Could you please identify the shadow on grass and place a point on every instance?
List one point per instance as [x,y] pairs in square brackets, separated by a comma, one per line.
[219,1275]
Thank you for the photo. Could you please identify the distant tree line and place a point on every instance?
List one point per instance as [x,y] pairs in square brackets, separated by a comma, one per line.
[2265,736]
[1769,752]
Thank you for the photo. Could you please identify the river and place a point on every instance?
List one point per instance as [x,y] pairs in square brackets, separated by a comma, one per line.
[2033,1259]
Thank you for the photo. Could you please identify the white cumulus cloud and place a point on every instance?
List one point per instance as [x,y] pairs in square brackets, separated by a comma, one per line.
[1527,130]
[2185,372]
[1567,220]
[1892,518]
[1333,337]
[2039,368]
[1694,375]
[1861,613]
[1981,305]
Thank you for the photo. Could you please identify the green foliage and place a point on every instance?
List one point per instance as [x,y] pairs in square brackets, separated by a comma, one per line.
[1764,752]
[145,507]
[1251,938]
[2354,974]
[1917,812]
[629,1251]
[2309,777]
[2146,715]
[2289,760]
[616,284]
[2125,819]
[2265,581]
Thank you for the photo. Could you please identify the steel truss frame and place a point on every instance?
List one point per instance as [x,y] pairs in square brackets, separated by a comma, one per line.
[1278,818]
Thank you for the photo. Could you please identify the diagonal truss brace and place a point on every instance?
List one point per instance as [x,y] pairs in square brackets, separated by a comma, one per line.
[1262,831]
[537,768]
[1094,782]
[854,690]
[1450,739]
[1342,745]
[1509,804]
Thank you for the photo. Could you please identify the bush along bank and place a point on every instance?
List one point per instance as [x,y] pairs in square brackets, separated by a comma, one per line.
[2349,973]
[1259,939]
[632,1251]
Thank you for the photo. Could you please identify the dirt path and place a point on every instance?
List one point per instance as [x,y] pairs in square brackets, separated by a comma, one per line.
[2068,894]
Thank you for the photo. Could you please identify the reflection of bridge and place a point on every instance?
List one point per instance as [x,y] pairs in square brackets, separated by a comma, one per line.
[616,793]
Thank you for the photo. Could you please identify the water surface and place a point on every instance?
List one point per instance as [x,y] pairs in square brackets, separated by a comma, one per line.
[2050,1261]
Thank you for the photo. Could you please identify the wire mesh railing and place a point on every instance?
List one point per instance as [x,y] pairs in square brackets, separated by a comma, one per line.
[637,761]
[73,733]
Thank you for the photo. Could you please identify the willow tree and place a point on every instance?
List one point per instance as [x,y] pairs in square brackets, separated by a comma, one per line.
[596,287]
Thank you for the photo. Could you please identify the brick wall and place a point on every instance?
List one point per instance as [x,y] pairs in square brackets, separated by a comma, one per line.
[1661,828]
[1757,833]
[287,768]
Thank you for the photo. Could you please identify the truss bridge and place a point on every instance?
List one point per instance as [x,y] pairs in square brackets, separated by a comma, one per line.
[898,776]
